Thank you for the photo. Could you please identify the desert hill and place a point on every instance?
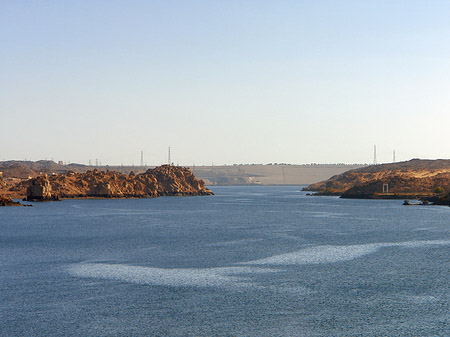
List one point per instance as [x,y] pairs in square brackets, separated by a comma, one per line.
[418,178]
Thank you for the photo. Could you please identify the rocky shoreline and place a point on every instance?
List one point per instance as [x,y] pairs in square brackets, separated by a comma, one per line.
[425,180]
[165,180]
[6,201]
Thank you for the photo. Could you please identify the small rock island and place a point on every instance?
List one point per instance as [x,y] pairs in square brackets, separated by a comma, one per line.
[6,201]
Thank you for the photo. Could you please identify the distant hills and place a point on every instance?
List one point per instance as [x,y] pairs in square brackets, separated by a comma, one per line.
[25,169]
[280,174]
[276,174]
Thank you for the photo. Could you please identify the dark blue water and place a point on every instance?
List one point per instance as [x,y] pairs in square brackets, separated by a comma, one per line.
[250,261]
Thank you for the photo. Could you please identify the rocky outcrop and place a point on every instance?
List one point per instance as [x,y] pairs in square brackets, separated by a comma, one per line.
[441,200]
[415,178]
[40,190]
[172,180]
[164,180]
[100,189]
[6,201]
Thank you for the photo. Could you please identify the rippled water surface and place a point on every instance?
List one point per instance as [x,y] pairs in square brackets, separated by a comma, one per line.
[249,261]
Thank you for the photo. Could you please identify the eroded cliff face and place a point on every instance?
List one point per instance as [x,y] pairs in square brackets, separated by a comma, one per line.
[40,189]
[160,181]
[416,178]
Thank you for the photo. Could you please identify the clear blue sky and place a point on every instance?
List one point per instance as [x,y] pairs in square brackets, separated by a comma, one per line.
[224,81]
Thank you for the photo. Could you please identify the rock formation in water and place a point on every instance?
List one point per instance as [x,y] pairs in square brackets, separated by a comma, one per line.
[160,181]
[40,189]
[441,199]
[6,201]
[415,178]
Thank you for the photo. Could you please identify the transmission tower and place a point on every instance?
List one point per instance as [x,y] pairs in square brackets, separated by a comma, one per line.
[374,154]
[393,157]
[142,158]
[169,156]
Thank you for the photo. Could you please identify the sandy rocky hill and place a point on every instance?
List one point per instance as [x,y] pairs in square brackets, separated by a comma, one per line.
[164,180]
[424,179]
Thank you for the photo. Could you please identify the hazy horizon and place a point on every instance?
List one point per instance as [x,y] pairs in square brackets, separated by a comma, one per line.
[224,82]
[93,163]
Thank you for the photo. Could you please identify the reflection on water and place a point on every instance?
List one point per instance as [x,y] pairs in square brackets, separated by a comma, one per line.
[333,254]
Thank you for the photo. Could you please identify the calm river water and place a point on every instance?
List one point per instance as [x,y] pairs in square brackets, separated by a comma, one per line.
[249,261]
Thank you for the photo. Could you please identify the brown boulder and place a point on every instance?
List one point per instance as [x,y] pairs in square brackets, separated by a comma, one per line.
[40,189]
[102,189]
